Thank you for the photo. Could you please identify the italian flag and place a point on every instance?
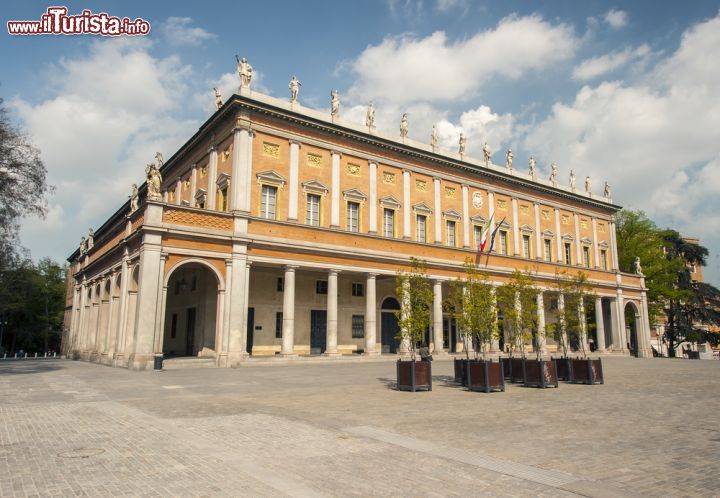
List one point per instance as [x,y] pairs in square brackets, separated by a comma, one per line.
[484,237]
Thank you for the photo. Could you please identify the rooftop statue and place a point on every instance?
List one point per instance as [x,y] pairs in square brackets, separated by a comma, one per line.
[637,267]
[83,246]
[370,117]
[294,87]
[486,154]
[532,172]
[404,126]
[245,72]
[218,99]
[462,143]
[573,182]
[133,198]
[434,137]
[606,192]
[553,174]
[588,186]
[154,179]
[334,103]
[159,160]
[509,159]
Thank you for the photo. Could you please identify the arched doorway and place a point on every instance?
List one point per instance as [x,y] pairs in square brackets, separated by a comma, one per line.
[389,325]
[191,311]
[632,321]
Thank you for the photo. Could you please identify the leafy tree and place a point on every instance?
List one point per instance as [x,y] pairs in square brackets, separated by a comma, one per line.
[517,299]
[576,294]
[417,297]
[22,186]
[474,308]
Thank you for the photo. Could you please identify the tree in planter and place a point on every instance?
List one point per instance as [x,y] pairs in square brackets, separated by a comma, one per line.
[575,291]
[517,299]
[474,308]
[417,296]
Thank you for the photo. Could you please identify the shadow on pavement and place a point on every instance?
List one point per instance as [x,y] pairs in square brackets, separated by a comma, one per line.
[23,367]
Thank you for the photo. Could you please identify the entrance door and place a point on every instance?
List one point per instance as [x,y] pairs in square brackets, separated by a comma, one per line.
[389,329]
[190,332]
[318,331]
[250,330]
[449,334]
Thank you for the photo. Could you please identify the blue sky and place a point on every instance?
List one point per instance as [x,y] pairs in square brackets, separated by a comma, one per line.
[622,92]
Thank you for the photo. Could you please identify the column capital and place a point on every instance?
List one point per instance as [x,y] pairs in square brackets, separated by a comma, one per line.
[292,141]
[406,171]
[336,153]
[242,127]
[437,179]
[290,268]
[371,275]
[334,271]
[465,186]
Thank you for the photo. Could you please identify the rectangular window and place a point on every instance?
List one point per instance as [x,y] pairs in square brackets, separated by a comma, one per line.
[503,242]
[280,284]
[526,246]
[358,326]
[421,228]
[548,250]
[353,216]
[222,201]
[278,325]
[568,253]
[450,233]
[586,256]
[603,259]
[477,231]
[358,290]
[388,223]
[312,215]
[268,202]
[321,286]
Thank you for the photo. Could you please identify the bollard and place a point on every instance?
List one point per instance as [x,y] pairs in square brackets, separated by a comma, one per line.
[36,355]
[16,356]
[54,353]
[158,361]
[45,354]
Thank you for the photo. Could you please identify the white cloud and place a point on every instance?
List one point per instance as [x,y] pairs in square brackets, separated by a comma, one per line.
[449,5]
[655,140]
[179,32]
[406,68]
[479,125]
[616,18]
[597,66]
[111,112]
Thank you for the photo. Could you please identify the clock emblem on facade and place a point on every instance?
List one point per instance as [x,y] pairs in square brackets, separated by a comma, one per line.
[477,200]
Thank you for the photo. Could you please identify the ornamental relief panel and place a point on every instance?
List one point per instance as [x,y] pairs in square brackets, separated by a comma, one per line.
[546,214]
[565,219]
[421,185]
[450,192]
[601,228]
[502,204]
[353,169]
[583,224]
[525,209]
[314,160]
[271,150]
[388,178]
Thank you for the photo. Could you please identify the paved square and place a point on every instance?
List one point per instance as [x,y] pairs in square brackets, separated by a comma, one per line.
[338,428]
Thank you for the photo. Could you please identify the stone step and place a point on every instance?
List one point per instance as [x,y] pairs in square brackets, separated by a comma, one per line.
[185,363]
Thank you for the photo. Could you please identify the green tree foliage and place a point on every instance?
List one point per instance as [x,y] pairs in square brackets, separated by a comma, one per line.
[577,295]
[32,300]
[22,187]
[517,299]
[417,296]
[474,308]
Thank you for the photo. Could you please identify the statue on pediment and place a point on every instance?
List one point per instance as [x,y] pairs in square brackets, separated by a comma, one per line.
[134,198]
[573,181]
[159,161]
[245,72]
[486,154]
[154,179]
[294,89]
[606,192]
[218,99]
[637,268]
[370,117]
[462,144]
[532,172]
[509,159]
[334,103]
[90,238]
[433,137]
[588,186]
[404,125]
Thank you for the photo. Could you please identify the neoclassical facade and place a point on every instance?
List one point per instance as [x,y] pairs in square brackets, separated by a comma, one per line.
[278,230]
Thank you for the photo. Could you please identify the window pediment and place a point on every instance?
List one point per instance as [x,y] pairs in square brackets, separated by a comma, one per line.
[271,177]
[315,187]
[451,214]
[604,245]
[422,208]
[354,194]
[586,241]
[549,234]
[223,181]
[526,229]
[504,224]
[479,220]
[568,237]
[390,202]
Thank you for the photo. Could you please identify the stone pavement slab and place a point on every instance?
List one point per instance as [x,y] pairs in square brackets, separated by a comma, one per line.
[339,428]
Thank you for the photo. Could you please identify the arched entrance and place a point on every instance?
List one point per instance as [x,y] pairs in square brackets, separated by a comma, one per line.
[632,322]
[191,311]
[389,325]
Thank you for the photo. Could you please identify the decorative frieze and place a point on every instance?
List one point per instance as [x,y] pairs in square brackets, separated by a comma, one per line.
[314,160]
[450,192]
[546,214]
[421,185]
[353,169]
[270,149]
[525,209]
[388,178]
[502,204]
[583,223]
[565,219]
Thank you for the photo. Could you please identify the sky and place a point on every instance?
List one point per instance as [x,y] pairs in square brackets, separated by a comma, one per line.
[626,93]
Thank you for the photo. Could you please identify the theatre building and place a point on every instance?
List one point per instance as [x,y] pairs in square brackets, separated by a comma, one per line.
[277,230]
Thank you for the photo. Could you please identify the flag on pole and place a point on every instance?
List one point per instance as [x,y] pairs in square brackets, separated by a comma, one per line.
[483,237]
[492,237]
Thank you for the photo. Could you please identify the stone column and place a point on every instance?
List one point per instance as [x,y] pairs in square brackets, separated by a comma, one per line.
[370,315]
[613,249]
[74,317]
[561,323]
[614,326]
[438,211]
[372,205]
[244,325]
[239,185]
[165,196]
[80,344]
[406,204]
[596,249]
[124,279]
[161,301]
[149,290]
[109,331]
[541,338]
[332,314]
[178,191]
[516,228]
[294,180]
[466,216]
[600,323]
[288,327]
[438,318]
[237,312]
[644,331]
[622,336]
[558,238]
[212,179]
[578,245]
[193,185]
[538,233]
[335,190]
[224,343]
[248,171]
